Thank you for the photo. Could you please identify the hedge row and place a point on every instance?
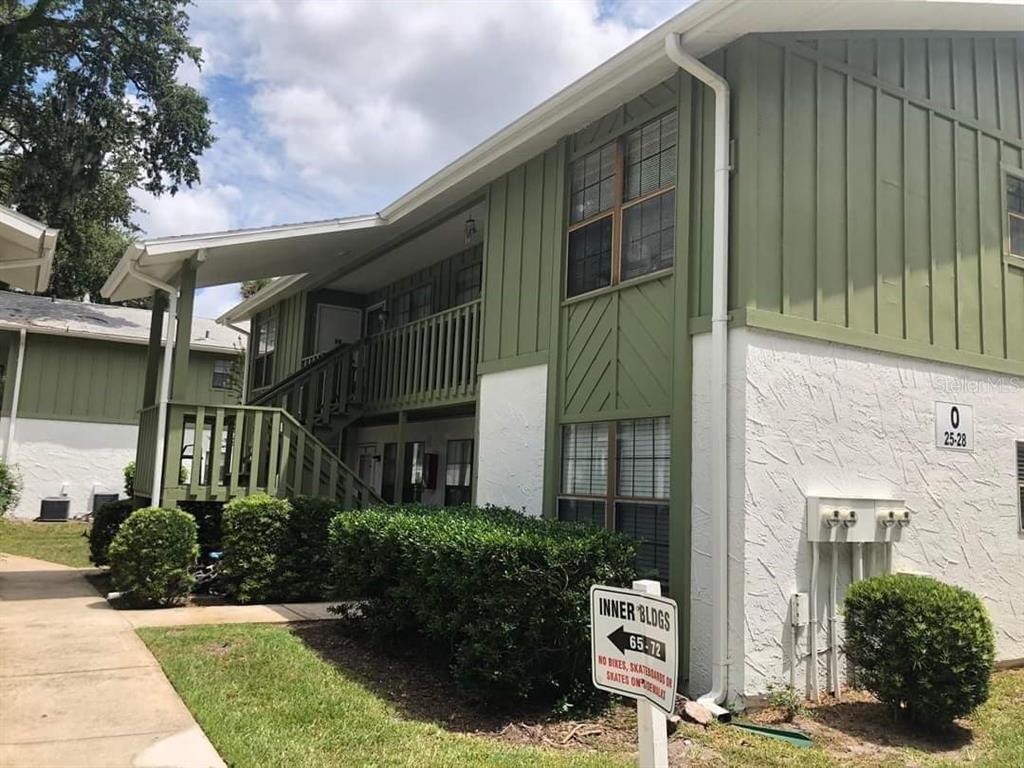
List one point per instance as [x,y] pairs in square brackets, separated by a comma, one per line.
[502,596]
[275,549]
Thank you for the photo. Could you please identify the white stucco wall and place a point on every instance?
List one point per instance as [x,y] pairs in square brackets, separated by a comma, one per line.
[510,450]
[77,457]
[826,419]
[434,434]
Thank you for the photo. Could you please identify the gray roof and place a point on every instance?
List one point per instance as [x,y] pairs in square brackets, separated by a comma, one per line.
[39,314]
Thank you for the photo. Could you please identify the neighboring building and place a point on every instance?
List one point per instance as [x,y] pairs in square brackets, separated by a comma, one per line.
[531,326]
[82,379]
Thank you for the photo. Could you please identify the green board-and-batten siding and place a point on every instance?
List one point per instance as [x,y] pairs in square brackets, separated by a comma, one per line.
[76,379]
[868,192]
[523,239]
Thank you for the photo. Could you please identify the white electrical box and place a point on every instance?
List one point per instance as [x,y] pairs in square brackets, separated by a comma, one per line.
[855,520]
[799,609]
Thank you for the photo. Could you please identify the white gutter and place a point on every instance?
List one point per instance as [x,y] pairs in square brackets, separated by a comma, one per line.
[9,443]
[165,375]
[719,377]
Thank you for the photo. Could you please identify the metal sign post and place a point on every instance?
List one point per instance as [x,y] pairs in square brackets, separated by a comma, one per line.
[633,647]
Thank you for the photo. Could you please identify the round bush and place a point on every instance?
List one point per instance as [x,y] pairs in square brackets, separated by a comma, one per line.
[151,554]
[923,647]
[10,487]
[105,522]
[253,531]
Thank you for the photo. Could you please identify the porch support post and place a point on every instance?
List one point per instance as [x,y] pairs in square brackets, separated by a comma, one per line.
[186,300]
[400,468]
[156,332]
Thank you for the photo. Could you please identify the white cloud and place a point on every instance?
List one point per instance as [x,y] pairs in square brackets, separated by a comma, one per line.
[363,99]
[214,302]
[205,209]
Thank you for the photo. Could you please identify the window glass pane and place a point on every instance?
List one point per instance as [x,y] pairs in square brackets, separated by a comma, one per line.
[221,374]
[403,305]
[459,463]
[585,459]
[590,257]
[422,301]
[581,511]
[592,188]
[648,524]
[1014,194]
[1017,235]
[651,156]
[644,453]
[467,284]
[648,235]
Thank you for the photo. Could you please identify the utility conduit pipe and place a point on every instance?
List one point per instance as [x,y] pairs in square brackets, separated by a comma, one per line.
[165,374]
[719,376]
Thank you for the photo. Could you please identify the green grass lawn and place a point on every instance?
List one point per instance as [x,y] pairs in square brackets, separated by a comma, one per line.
[266,699]
[63,543]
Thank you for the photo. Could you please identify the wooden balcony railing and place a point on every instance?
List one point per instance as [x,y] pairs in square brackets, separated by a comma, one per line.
[427,362]
[432,360]
[215,453]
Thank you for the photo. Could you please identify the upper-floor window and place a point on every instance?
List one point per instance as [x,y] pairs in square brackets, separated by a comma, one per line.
[1015,213]
[264,345]
[376,319]
[221,374]
[467,283]
[622,208]
[414,305]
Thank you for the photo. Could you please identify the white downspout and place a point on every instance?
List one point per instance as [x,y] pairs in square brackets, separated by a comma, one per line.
[165,374]
[9,443]
[719,376]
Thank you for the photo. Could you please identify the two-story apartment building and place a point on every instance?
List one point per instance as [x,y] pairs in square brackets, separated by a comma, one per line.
[752,291]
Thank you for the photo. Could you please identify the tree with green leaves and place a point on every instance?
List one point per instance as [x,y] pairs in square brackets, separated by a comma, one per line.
[91,109]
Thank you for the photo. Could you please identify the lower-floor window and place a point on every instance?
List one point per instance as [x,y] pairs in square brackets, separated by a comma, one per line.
[389,472]
[412,482]
[367,454]
[458,473]
[623,468]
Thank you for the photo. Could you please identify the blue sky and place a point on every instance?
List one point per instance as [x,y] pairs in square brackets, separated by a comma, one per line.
[327,108]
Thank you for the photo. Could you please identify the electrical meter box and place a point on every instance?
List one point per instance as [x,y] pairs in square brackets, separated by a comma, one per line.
[855,520]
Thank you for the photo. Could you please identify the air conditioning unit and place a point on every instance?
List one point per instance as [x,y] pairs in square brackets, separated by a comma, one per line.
[54,509]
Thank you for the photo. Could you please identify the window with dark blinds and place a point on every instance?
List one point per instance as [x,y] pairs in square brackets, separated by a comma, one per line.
[1015,214]
[622,208]
[592,184]
[648,524]
[585,459]
[651,156]
[1020,484]
[644,458]
[581,511]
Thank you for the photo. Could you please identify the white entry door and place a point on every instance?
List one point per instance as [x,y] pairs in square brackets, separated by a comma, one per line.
[337,325]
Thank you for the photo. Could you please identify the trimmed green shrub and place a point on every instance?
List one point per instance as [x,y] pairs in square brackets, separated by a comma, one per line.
[105,522]
[10,487]
[504,597]
[923,647]
[253,532]
[151,555]
[129,479]
[304,560]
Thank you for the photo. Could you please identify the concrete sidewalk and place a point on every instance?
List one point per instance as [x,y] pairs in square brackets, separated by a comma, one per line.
[78,688]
